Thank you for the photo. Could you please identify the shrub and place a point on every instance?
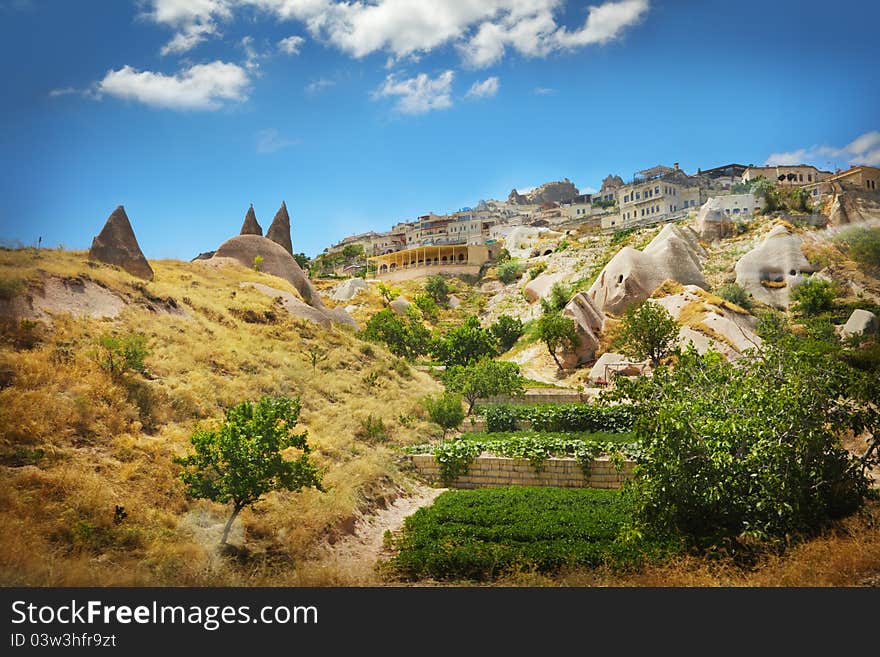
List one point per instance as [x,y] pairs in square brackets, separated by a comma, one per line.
[486,378]
[557,332]
[10,288]
[509,271]
[372,429]
[437,289]
[647,331]
[614,418]
[465,344]
[736,294]
[405,337]
[388,293]
[621,235]
[537,270]
[502,257]
[445,410]
[507,330]
[559,296]
[120,353]
[258,260]
[814,295]
[427,306]
[862,245]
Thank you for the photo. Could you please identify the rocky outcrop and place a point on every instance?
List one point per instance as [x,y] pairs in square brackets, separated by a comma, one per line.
[540,286]
[117,245]
[550,192]
[631,276]
[453,302]
[611,364]
[279,231]
[610,183]
[399,306]
[207,255]
[300,310]
[588,321]
[250,225]
[348,289]
[712,222]
[515,198]
[522,240]
[851,206]
[861,322]
[773,268]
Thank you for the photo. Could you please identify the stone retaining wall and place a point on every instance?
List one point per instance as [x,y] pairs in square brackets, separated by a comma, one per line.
[488,471]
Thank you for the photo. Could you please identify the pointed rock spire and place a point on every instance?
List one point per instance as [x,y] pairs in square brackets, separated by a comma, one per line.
[250,225]
[117,245]
[279,231]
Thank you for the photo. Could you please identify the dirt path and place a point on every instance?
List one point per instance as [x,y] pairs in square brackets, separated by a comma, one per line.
[352,560]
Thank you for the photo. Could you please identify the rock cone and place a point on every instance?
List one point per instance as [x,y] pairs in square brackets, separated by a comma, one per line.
[250,225]
[279,231]
[117,245]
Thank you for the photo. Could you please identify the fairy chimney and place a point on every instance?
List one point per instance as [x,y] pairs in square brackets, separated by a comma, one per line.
[250,225]
[117,245]
[279,231]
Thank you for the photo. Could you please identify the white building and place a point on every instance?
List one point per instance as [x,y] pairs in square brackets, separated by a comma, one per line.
[735,205]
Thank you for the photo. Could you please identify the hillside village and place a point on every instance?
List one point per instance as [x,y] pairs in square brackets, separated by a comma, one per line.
[110,363]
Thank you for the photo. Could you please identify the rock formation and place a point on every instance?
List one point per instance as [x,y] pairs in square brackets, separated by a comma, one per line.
[611,364]
[588,322]
[279,231]
[851,206]
[861,322]
[399,306]
[117,245]
[772,269]
[348,289]
[631,276]
[250,225]
[207,255]
[540,286]
[522,239]
[515,198]
[712,222]
[610,183]
[550,192]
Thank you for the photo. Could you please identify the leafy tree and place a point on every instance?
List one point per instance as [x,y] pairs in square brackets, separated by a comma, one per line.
[445,410]
[486,378]
[302,260]
[814,295]
[242,460]
[560,294]
[763,188]
[465,344]
[509,271]
[427,306]
[406,337]
[647,331]
[507,330]
[352,251]
[388,293]
[557,332]
[503,256]
[120,353]
[751,450]
[437,289]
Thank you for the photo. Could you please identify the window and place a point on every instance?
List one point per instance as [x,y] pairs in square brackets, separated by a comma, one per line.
[638,195]
[657,189]
[809,177]
[800,177]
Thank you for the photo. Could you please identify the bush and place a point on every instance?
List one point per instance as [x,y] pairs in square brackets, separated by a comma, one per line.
[507,330]
[405,337]
[445,410]
[560,295]
[437,288]
[426,305]
[736,294]
[509,271]
[372,429]
[537,270]
[647,331]
[120,353]
[10,288]
[465,344]
[814,296]
[751,451]
[486,378]
[616,418]
[557,332]
[862,245]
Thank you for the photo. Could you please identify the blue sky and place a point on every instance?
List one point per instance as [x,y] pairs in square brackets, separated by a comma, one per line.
[362,115]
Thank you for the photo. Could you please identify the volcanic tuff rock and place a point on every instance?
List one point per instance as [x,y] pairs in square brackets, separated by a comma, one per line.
[117,245]
[588,322]
[861,322]
[279,231]
[773,268]
[540,286]
[399,306]
[250,225]
[550,192]
[631,276]
[712,223]
[348,289]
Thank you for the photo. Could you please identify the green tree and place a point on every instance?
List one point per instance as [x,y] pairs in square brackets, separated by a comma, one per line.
[445,410]
[427,306]
[647,331]
[242,460]
[486,378]
[352,251]
[405,337]
[302,260]
[751,450]
[765,189]
[388,293]
[557,332]
[507,330]
[120,353]
[814,295]
[437,288]
[465,344]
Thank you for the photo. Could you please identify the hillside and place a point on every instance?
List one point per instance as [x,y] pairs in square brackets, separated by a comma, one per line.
[76,441]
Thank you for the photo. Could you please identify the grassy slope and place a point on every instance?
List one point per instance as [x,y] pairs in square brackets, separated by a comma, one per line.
[107,443]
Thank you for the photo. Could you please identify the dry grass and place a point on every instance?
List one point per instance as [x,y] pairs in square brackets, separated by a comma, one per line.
[83,442]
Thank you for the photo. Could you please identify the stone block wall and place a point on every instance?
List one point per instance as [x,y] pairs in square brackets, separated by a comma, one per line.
[487,471]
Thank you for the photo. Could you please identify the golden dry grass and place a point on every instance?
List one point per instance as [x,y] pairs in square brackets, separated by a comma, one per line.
[76,442]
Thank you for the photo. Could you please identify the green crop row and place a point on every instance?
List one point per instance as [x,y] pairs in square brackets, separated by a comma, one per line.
[559,417]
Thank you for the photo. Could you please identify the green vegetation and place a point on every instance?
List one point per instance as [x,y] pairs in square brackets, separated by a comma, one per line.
[445,410]
[372,430]
[388,292]
[507,330]
[10,288]
[861,244]
[242,460]
[560,294]
[302,260]
[736,294]
[404,337]
[427,306]
[735,454]
[483,534]
[615,418]
[437,288]
[509,271]
[119,354]
[557,332]
[486,378]
[814,296]
[465,344]
[258,260]
[647,331]
[621,235]
[537,270]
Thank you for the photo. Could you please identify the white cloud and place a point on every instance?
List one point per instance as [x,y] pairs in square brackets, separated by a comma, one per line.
[864,149]
[270,141]
[543,91]
[291,45]
[419,94]
[200,87]
[66,91]
[483,30]
[485,89]
[317,86]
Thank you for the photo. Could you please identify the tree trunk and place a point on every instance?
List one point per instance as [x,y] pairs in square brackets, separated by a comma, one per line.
[553,353]
[235,511]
